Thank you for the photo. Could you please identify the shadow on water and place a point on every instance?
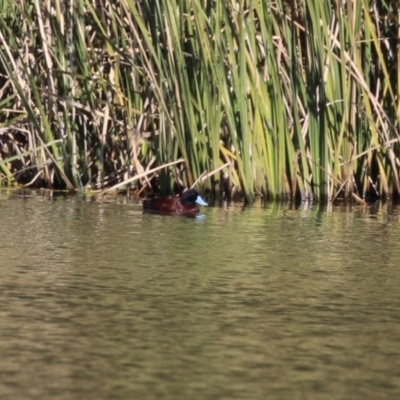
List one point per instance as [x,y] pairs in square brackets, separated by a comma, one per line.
[99,300]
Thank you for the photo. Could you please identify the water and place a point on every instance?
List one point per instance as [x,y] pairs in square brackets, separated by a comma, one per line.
[100,301]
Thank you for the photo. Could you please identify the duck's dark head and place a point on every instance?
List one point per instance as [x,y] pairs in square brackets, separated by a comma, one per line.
[192,196]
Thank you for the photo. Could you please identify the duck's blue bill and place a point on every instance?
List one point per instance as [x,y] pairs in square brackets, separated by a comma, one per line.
[200,201]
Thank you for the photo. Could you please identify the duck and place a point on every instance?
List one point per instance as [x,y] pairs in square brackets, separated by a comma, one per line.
[184,205]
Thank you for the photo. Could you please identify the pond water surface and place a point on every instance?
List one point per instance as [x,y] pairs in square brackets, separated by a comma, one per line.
[101,301]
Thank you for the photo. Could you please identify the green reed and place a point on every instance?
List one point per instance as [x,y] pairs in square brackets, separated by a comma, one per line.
[280,98]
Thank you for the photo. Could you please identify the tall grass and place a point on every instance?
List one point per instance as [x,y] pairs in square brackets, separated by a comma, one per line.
[283,98]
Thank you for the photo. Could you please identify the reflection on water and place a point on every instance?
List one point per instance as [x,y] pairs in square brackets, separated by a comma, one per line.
[101,301]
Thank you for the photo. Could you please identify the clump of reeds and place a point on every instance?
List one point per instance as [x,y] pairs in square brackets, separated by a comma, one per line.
[284,98]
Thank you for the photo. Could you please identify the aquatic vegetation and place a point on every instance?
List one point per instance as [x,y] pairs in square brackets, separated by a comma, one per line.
[287,99]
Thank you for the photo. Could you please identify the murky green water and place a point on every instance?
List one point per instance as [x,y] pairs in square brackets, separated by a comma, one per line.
[100,301]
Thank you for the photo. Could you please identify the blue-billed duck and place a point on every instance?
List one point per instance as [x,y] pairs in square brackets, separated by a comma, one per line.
[184,205]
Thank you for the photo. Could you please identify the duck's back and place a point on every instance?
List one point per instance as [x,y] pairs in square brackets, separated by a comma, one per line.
[169,205]
[162,204]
